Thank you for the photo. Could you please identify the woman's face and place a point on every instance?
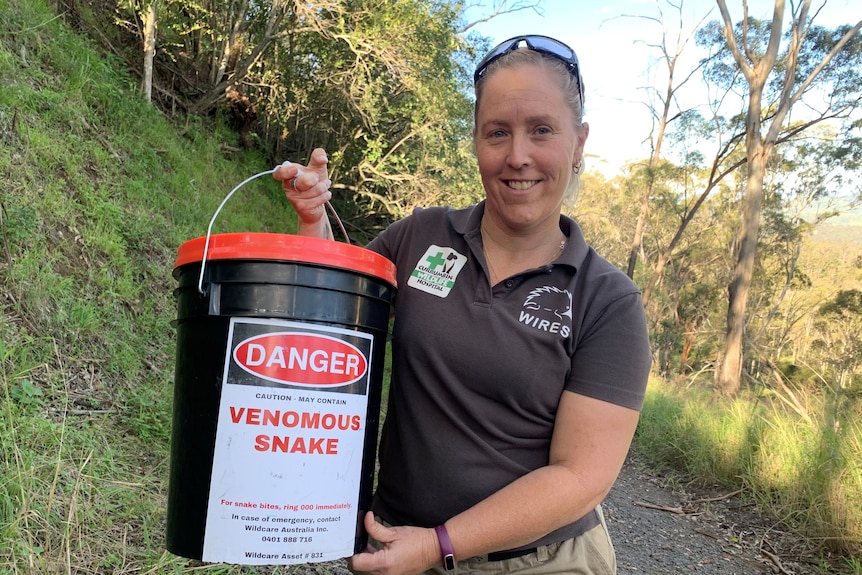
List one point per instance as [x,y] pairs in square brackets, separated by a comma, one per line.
[527,144]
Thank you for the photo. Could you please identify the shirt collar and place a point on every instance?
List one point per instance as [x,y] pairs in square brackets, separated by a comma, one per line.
[468,221]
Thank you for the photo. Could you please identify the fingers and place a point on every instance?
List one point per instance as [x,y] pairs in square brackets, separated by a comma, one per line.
[304,177]
[397,550]
[286,171]
[318,160]
[372,560]
[377,530]
[289,173]
[310,204]
[306,187]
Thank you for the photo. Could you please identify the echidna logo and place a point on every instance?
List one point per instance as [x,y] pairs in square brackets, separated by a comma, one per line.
[548,308]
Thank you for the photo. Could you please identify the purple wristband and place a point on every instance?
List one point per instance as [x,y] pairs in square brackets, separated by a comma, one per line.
[445,548]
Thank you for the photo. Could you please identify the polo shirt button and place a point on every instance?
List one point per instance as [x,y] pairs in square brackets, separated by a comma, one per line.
[510,284]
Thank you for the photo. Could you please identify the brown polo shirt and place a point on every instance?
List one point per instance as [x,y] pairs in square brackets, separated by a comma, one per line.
[478,371]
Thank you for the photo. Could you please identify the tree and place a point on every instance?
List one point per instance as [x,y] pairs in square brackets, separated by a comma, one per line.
[150,19]
[249,32]
[383,87]
[755,49]
[663,110]
[840,333]
[812,180]
[701,182]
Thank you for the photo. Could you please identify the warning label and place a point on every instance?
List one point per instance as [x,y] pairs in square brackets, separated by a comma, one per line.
[288,452]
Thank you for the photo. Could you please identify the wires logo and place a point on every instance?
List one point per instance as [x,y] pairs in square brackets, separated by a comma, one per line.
[549,309]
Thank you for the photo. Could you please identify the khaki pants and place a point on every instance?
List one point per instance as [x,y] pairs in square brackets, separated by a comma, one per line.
[588,554]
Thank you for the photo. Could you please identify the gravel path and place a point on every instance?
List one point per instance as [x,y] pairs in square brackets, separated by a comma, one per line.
[659,527]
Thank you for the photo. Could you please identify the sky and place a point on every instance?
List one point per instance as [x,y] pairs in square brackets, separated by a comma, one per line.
[612,39]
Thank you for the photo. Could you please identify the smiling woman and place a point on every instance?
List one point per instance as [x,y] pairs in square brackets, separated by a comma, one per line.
[529,143]
[614,98]
[520,356]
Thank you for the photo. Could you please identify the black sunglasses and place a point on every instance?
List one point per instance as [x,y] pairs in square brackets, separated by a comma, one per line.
[543,44]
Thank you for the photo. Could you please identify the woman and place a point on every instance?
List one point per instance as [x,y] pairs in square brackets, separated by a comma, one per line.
[520,356]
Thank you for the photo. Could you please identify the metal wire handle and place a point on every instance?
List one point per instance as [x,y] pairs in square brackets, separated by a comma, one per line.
[224,201]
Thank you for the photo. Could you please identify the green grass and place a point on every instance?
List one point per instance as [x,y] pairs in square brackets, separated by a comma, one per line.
[99,191]
[803,470]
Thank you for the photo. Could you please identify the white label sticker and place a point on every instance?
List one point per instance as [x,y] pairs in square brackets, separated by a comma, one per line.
[436,271]
[289,444]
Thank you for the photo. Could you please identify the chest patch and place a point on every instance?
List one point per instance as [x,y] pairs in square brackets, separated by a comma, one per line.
[436,271]
[549,309]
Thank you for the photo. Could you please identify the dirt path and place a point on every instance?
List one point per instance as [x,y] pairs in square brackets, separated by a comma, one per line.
[659,527]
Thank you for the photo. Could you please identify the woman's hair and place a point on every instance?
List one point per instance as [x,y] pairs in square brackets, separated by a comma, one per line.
[567,82]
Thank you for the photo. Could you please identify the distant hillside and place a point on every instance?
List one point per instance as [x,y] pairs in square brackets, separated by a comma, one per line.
[839,233]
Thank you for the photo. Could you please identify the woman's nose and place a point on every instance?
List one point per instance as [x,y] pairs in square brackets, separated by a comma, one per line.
[519,152]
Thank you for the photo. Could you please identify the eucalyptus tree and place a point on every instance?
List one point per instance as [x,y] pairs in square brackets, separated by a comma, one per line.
[707,176]
[813,178]
[789,70]
[663,106]
[684,297]
[839,322]
[774,80]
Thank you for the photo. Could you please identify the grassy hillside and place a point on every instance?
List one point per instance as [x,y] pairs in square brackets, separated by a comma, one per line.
[98,191]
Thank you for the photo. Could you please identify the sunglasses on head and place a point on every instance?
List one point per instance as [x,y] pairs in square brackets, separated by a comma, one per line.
[542,44]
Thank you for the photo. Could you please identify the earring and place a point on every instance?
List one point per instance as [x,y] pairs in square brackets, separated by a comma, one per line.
[577,169]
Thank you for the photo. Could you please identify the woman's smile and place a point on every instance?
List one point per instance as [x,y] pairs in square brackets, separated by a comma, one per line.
[521,184]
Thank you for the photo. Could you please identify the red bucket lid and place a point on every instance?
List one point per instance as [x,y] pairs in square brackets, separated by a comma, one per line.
[284,247]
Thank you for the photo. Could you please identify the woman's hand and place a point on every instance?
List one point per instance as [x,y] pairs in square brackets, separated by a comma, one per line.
[404,550]
[307,189]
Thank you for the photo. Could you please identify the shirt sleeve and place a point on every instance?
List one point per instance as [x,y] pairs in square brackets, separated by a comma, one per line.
[389,240]
[612,359]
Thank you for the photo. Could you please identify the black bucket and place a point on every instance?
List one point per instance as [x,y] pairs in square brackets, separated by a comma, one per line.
[279,369]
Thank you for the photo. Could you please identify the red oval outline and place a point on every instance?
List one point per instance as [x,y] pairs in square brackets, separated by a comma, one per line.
[306,335]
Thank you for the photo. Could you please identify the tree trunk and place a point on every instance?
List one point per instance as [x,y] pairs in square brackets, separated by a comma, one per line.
[218,92]
[729,370]
[231,48]
[150,27]
[663,119]
[637,241]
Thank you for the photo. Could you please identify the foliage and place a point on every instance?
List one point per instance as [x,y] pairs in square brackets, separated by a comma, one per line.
[376,85]
[839,324]
[100,189]
[765,76]
[382,86]
[98,193]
